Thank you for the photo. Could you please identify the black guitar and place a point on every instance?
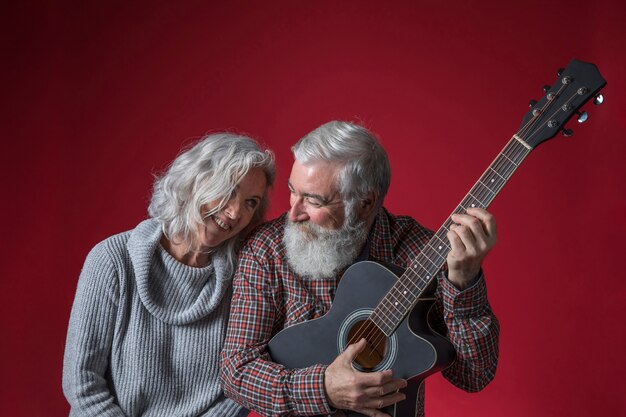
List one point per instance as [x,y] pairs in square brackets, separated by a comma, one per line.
[389,308]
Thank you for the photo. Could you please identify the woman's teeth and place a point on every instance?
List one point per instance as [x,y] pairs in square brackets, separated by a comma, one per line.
[220,223]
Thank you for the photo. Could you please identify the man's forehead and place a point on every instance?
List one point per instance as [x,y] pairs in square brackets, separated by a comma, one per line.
[319,178]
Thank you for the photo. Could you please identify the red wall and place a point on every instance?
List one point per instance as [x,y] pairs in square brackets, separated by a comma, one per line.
[97,96]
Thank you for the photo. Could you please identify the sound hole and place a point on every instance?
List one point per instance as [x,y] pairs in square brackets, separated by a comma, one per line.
[376,347]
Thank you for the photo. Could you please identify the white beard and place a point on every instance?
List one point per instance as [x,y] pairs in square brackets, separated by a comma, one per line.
[315,252]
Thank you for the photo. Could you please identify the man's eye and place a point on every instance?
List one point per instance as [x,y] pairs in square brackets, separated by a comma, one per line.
[253,204]
[314,203]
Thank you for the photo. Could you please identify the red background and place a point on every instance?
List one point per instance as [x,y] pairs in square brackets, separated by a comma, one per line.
[98,96]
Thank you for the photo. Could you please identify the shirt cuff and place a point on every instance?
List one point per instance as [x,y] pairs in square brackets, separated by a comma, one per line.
[467,303]
[308,391]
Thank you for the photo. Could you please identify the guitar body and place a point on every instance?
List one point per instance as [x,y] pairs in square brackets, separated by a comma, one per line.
[413,351]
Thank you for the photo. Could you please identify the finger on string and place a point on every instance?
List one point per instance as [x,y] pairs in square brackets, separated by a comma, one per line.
[473,223]
[466,235]
[487,221]
[353,350]
[456,244]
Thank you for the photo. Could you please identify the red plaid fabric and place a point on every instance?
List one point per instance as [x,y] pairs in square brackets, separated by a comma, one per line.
[269,296]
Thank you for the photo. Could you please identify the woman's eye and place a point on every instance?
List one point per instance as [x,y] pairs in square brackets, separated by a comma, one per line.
[253,204]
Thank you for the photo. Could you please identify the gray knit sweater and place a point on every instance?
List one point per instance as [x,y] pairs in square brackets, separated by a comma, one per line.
[145,332]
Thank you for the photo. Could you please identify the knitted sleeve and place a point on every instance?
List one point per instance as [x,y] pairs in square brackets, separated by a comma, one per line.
[90,337]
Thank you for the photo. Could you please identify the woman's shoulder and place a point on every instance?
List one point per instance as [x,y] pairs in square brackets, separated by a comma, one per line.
[109,255]
[111,247]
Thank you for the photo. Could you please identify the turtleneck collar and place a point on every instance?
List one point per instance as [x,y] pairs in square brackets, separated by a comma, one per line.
[171,291]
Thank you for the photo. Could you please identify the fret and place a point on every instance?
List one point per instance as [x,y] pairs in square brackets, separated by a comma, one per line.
[397,296]
[392,309]
[417,260]
[385,313]
[511,161]
[515,152]
[442,244]
[492,184]
[504,167]
[382,324]
[418,267]
[473,201]
[497,173]
[483,189]
[430,252]
[414,283]
[492,178]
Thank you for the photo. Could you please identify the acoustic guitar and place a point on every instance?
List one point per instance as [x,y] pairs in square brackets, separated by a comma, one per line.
[388,306]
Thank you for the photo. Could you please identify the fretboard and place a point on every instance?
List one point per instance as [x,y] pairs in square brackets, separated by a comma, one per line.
[403,296]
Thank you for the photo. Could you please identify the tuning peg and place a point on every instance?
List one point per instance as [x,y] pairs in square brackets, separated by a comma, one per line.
[532,103]
[546,88]
[559,72]
[598,100]
[582,116]
[567,133]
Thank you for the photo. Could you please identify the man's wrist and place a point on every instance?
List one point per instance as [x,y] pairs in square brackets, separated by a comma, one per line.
[463,284]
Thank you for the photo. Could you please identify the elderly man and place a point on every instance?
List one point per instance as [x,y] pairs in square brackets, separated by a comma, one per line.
[290,268]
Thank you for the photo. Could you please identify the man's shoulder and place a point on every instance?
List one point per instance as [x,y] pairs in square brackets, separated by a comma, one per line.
[398,239]
[401,224]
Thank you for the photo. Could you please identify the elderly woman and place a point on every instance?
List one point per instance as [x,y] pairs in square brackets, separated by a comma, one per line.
[151,306]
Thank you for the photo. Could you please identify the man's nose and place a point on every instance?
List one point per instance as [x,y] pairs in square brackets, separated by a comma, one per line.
[297,213]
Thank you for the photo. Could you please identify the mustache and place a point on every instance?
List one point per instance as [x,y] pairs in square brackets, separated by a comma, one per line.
[307,229]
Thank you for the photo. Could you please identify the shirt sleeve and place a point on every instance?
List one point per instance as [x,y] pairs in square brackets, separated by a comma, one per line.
[466,318]
[90,337]
[248,375]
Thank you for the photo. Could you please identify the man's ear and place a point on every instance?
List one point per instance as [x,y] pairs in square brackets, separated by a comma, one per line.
[366,206]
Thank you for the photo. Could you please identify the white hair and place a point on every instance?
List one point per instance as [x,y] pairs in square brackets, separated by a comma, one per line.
[206,172]
[315,252]
[363,161]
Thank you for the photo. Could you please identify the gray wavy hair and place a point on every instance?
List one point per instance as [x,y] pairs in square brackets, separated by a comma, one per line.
[364,163]
[206,172]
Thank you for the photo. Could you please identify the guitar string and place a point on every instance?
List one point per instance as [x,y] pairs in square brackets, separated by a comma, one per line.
[475,195]
[366,329]
[478,196]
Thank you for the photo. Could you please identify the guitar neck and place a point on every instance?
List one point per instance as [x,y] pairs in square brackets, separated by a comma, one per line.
[403,296]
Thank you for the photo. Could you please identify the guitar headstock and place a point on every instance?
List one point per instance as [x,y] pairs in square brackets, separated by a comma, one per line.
[576,85]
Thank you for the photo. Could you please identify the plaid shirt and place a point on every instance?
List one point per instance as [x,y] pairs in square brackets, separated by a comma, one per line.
[269,296]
